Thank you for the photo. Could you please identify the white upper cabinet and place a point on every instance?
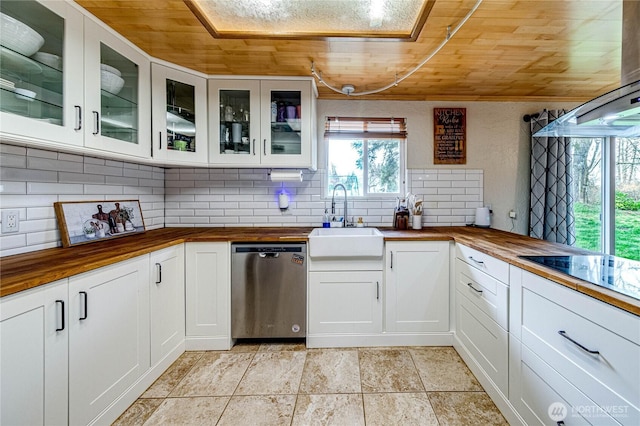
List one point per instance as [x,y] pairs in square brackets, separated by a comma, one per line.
[71,81]
[179,126]
[117,94]
[41,90]
[262,123]
[234,111]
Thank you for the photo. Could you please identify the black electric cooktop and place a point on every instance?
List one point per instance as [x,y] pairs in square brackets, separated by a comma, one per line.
[615,273]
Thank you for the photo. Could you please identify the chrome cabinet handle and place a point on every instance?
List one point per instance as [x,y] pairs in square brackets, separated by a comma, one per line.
[479,262]
[61,302]
[264,146]
[78,117]
[391,259]
[86,305]
[160,140]
[584,348]
[473,288]
[254,146]
[377,290]
[158,273]
[96,127]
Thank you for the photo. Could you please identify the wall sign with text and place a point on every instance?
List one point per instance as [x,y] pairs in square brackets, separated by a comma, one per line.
[449,136]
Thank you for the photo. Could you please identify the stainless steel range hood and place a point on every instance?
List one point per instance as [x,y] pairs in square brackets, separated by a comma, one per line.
[616,113]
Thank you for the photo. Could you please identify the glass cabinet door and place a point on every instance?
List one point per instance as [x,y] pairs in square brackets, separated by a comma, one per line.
[285,108]
[286,122]
[40,48]
[179,115]
[31,75]
[235,123]
[118,96]
[117,93]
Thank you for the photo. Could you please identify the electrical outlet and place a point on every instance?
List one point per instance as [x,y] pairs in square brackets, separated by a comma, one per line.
[10,221]
[512,214]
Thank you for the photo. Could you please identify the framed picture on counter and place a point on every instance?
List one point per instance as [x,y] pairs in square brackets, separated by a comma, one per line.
[82,222]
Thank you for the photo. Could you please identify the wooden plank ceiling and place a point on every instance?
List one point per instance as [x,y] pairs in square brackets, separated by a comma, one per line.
[509,50]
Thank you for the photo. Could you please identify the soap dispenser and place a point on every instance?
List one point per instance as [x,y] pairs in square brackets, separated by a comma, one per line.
[326,219]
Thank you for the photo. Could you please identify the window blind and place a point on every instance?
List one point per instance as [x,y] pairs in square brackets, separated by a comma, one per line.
[365,128]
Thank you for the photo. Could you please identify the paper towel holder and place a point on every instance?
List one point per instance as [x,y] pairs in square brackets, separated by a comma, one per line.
[285,175]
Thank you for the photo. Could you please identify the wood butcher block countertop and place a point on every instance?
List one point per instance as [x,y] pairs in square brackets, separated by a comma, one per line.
[23,271]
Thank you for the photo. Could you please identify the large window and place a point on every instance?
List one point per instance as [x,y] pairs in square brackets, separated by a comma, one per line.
[366,155]
[606,188]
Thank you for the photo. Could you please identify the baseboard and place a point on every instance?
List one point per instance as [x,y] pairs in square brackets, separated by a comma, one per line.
[490,388]
[372,340]
[113,411]
[197,343]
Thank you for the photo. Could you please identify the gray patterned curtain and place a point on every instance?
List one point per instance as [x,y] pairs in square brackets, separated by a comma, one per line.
[551,213]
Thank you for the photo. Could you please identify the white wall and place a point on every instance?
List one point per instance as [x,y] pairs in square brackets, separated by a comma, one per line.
[497,143]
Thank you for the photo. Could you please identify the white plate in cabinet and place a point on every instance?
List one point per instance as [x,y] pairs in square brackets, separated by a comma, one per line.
[488,294]
[566,330]
[484,339]
[492,266]
[541,396]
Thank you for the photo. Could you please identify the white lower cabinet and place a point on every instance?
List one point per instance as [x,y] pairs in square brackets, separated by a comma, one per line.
[345,302]
[34,356]
[417,286]
[166,292]
[108,335]
[208,296]
[585,350]
[541,396]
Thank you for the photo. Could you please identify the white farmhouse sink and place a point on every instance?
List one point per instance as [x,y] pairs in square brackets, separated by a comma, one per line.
[346,242]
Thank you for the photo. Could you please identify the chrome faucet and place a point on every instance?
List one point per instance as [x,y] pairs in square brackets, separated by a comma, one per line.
[333,203]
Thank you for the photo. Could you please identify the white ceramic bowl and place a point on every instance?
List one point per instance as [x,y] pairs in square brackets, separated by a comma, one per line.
[54,61]
[25,94]
[111,82]
[112,70]
[19,37]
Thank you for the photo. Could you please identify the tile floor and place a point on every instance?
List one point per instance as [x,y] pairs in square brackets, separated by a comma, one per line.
[287,384]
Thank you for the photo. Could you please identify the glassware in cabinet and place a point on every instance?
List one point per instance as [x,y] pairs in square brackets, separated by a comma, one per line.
[286,114]
[235,121]
[179,115]
[235,116]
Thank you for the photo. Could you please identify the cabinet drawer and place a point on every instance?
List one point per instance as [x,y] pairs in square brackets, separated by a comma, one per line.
[611,378]
[543,397]
[492,266]
[488,294]
[484,339]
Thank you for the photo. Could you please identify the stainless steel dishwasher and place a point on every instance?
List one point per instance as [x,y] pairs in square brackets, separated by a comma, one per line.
[268,290]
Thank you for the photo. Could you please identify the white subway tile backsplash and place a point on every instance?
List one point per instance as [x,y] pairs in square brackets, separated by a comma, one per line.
[250,198]
[34,179]
[186,197]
